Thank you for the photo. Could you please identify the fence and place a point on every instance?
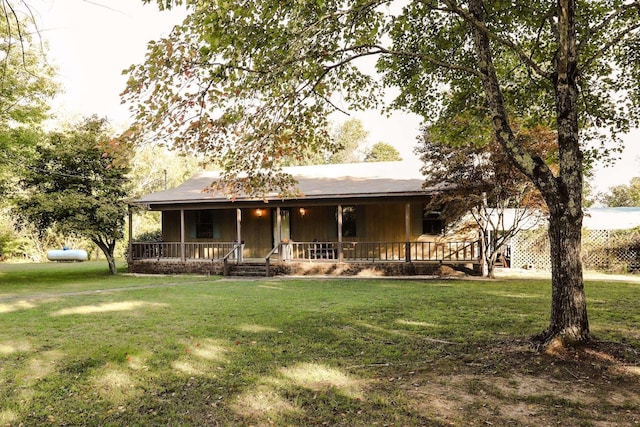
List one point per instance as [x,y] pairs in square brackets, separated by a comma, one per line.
[605,250]
[352,251]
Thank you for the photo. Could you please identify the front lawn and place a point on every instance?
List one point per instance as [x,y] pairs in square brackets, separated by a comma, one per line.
[79,347]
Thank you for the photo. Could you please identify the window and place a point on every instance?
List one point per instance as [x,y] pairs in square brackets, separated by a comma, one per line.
[432,222]
[206,226]
[349,221]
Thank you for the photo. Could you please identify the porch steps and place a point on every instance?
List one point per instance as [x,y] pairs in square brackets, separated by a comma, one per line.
[248,269]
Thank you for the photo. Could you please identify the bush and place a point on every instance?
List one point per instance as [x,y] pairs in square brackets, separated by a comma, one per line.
[149,236]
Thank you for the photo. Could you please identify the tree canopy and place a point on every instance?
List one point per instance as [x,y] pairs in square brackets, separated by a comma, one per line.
[26,79]
[77,185]
[348,137]
[253,81]
[26,87]
[382,152]
[479,183]
[623,195]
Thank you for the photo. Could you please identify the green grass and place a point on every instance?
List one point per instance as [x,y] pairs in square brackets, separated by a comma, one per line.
[80,347]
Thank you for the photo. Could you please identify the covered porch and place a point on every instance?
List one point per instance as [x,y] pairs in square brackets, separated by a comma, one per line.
[342,214]
[367,233]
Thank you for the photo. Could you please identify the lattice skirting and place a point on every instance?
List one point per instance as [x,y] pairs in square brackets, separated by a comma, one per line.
[606,250]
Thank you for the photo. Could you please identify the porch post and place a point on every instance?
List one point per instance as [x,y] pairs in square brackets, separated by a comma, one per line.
[278,235]
[239,232]
[407,228]
[182,252]
[278,226]
[340,254]
[130,253]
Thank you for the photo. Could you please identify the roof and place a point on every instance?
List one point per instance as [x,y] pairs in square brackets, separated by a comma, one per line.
[342,181]
[594,219]
[611,218]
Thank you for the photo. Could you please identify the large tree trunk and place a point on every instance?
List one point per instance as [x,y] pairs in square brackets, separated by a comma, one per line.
[569,324]
[563,193]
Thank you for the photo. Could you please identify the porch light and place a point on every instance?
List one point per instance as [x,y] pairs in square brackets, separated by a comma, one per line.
[259,213]
[302,211]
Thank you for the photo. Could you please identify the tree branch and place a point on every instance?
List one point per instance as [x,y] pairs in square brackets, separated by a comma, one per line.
[607,22]
[380,50]
[515,47]
[611,43]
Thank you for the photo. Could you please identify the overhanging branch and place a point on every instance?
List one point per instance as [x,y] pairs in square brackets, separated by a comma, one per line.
[515,47]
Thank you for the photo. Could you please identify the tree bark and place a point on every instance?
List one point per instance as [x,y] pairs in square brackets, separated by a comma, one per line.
[569,324]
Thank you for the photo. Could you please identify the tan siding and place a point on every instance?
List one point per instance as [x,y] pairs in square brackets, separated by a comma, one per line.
[375,223]
[171,226]
[382,223]
[318,223]
[416,220]
[257,233]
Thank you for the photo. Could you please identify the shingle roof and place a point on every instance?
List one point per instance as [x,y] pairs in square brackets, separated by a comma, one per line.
[314,182]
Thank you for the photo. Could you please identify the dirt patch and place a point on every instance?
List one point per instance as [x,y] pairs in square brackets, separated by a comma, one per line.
[509,384]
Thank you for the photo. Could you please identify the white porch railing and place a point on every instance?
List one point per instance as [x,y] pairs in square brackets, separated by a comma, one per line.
[192,250]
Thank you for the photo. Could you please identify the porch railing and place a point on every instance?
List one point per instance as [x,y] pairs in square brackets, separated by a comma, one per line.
[445,251]
[414,251]
[378,251]
[234,253]
[192,250]
[316,251]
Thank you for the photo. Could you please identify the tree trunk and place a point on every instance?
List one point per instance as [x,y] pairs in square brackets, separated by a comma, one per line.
[107,250]
[569,324]
[563,193]
[112,264]
[491,265]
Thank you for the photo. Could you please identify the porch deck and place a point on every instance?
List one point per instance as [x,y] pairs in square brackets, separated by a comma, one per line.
[392,258]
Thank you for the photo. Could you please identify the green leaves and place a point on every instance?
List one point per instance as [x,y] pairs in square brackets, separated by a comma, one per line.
[26,87]
[255,95]
[623,195]
[251,82]
[26,79]
[382,152]
[77,184]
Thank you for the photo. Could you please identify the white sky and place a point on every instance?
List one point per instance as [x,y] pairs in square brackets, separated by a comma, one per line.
[91,45]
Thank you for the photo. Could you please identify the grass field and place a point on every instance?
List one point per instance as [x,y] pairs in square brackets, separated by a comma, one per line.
[79,347]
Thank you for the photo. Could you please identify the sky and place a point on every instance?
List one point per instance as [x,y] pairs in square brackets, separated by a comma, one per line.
[92,41]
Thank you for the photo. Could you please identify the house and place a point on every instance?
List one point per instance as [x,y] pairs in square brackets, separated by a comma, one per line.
[347,218]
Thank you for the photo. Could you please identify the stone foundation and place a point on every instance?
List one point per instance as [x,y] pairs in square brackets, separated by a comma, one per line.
[371,269]
[379,269]
[206,267]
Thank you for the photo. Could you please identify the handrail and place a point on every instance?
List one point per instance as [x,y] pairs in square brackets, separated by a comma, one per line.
[267,259]
[225,259]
